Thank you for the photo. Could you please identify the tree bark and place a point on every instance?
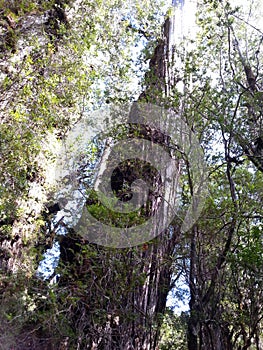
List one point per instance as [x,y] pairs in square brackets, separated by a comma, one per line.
[128,288]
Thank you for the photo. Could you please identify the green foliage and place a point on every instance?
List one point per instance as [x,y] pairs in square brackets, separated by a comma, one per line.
[221,103]
[173,331]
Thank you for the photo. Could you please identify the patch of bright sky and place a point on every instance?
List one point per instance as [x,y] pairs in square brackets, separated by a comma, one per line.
[252,12]
[178,297]
[47,266]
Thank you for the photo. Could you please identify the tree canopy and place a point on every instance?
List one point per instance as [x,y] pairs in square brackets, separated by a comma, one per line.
[62,60]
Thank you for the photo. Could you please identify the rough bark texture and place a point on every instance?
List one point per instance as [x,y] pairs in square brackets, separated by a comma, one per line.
[128,290]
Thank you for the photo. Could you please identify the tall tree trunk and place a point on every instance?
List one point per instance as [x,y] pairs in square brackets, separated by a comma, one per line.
[126,290]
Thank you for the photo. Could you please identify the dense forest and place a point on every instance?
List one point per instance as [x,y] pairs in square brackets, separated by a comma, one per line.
[131,154]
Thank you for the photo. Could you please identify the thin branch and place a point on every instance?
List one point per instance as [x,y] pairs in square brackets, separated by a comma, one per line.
[249,24]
